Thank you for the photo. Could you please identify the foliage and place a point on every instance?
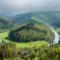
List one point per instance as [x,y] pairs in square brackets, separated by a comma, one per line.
[5,24]
[32,31]
[9,51]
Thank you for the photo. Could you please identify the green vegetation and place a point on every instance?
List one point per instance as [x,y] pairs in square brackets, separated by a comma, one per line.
[32,44]
[9,51]
[48,17]
[32,31]
[23,37]
[5,24]
[3,35]
[22,45]
[57,29]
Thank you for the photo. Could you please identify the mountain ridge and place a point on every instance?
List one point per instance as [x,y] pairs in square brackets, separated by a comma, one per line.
[44,17]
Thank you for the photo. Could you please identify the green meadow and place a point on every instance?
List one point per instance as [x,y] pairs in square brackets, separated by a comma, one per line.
[4,36]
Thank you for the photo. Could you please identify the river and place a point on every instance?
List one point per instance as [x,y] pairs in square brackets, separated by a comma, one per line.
[56,39]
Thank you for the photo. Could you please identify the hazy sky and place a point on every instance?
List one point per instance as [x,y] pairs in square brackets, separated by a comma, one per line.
[19,6]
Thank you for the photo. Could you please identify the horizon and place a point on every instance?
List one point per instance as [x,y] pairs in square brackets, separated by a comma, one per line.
[23,6]
[12,14]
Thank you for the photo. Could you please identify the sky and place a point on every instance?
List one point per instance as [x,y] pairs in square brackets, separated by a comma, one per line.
[21,6]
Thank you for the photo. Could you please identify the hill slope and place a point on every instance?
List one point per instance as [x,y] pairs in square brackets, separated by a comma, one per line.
[32,31]
[5,23]
[50,17]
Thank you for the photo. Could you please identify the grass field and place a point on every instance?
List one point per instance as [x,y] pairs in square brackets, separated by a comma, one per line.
[32,44]
[22,45]
[58,30]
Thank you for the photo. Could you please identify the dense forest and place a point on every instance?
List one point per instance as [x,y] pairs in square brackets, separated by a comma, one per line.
[9,51]
[5,24]
[32,31]
[48,17]
[27,36]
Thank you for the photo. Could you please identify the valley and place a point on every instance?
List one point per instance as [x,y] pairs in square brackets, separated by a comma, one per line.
[30,36]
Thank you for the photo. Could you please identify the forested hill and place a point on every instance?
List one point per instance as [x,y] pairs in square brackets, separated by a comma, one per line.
[50,17]
[5,23]
[32,31]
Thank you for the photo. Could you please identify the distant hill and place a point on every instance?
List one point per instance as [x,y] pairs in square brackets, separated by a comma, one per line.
[4,20]
[32,31]
[21,18]
[5,23]
[49,17]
